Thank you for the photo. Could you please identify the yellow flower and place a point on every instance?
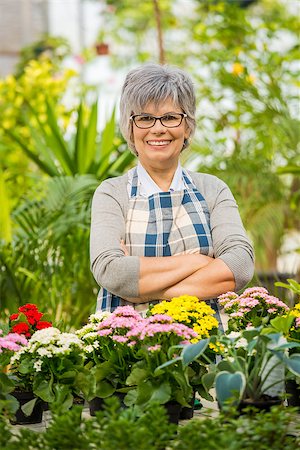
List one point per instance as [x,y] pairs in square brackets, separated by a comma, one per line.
[237,69]
[296,310]
[251,79]
[190,311]
[217,347]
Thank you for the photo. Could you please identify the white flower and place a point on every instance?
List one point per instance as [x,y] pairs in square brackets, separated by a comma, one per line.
[99,316]
[89,349]
[43,352]
[233,335]
[38,365]
[44,336]
[241,343]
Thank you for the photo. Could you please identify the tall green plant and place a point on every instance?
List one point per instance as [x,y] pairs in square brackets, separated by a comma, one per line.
[86,152]
[47,262]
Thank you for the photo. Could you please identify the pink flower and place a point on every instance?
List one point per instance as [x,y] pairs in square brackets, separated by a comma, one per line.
[105,332]
[236,314]
[160,318]
[154,348]
[12,341]
[126,311]
[121,339]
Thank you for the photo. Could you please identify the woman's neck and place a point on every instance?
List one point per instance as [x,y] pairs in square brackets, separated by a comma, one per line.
[162,177]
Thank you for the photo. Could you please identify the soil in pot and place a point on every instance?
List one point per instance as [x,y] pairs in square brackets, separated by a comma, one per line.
[37,414]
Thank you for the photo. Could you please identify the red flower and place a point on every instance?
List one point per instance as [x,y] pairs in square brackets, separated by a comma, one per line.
[21,328]
[41,325]
[14,317]
[33,317]
[27,307]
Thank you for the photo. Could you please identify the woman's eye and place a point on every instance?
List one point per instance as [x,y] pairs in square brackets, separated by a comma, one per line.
[170,118]
[146,118]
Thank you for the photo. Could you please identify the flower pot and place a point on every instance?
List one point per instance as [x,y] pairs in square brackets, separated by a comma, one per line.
[37,414]
[188,413]
[293,390]
[173,411]
[97,403]
[102,48]
[264,404]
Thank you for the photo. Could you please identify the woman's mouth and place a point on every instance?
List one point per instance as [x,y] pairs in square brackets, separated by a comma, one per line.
[158,143]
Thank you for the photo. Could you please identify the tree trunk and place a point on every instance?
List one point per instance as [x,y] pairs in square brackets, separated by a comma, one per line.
[159,32]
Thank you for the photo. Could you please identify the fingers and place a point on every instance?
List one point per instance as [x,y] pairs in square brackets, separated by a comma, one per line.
[124,248]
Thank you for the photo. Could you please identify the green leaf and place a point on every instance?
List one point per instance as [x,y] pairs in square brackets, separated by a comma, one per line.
[193,351]
[6,384]
[293,364]
[57,143]
[28,407]
[104,389]
[208,380]
[5,219]
[102,371]
[88,151]
[137,376]
[230,386]
[43,390]
[204,394]
[161,393]
[158,369]
[226,365]
[131,397]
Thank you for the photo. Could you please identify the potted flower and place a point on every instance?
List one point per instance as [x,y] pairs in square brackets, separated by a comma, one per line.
[247,374]
[50,364]
[9,344]
[159,374]
[198,316]
[108,358]
[254,307]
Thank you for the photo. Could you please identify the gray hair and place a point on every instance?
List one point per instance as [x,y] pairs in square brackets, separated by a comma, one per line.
[155,83]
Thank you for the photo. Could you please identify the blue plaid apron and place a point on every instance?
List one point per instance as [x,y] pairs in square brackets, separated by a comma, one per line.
[164,224]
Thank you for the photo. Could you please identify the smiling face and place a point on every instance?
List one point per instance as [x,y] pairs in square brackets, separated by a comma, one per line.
[159,147]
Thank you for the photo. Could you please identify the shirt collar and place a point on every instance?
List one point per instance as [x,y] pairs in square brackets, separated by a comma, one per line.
[148,187]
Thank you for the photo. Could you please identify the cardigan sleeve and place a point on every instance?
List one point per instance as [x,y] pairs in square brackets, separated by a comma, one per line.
[230,241]
[112,270]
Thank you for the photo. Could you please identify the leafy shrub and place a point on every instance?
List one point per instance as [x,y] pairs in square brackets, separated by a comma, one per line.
[260,432]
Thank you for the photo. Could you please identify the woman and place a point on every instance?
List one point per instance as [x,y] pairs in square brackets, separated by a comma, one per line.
[161,231]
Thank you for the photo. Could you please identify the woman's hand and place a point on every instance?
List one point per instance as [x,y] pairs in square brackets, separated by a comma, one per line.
[124,248]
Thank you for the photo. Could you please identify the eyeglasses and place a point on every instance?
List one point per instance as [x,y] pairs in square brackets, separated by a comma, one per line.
[168,120]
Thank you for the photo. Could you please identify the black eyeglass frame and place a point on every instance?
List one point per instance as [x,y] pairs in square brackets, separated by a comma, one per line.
[133,116]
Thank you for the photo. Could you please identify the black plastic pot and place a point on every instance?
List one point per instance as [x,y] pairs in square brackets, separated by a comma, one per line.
[37,414]
[188,413]
[173,411]
[97,403]
[292,388]
[264,404]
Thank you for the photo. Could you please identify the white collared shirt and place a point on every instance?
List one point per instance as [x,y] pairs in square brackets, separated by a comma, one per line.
[148,186]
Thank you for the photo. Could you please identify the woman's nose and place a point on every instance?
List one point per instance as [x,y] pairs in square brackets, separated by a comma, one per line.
[158,127]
